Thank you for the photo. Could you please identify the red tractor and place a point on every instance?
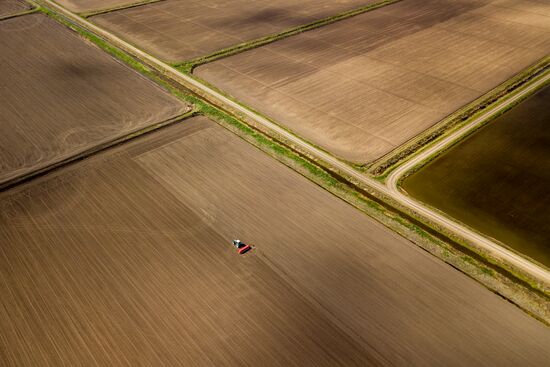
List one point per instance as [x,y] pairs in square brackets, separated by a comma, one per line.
[241,246]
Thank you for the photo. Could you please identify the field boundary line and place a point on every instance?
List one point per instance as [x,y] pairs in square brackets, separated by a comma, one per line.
[189,65]
[426,154]
[496,110]
[533,271]
[383,166]
[92,13]
[25,177]
[518,286]
[33,9]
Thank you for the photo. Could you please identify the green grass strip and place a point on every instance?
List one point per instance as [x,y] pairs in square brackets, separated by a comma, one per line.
[391,217]
[101,43]
[21,13]
[116,8]
[383,167]
[188,66]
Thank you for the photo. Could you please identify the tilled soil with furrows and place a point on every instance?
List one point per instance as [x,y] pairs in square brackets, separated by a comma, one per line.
[125,259]
[363,86]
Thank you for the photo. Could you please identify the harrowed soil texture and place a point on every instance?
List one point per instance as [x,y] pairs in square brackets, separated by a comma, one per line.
[363,86]
[125,259]
[61,95]
[84,6]
[498,180]
[176,30]
[9,7]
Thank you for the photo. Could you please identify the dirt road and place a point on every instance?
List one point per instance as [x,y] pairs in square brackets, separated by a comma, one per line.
[361,87]
[64,96]
[11,7]
[496,250]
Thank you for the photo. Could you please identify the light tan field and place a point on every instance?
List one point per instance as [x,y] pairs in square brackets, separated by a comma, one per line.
[9,7]
[84,6]
[363,86]
[124,259]
[62,95]
[176,30]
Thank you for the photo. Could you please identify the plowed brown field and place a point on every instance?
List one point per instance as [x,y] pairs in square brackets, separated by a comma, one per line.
[497,181]
[61,95]
[180,30]
[83,6]
[365,85]
[124,259]
[9,7]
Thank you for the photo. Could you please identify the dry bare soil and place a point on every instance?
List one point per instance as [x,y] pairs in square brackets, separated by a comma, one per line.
[9,7]
[62,95]
[124,259]
[84,6]
[180,30]
[365,85]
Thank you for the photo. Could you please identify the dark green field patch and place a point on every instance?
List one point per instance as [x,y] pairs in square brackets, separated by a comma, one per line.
[498,180]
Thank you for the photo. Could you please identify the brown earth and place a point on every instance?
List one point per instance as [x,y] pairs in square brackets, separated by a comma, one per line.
[62,95]
[180,30]
[9,7]
[363,86]
[84,6]
[124,259]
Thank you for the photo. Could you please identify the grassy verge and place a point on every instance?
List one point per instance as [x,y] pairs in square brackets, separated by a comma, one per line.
[525,294]
[115,8]
[520,290]
[440,152]
[459,118]
[510,285]
[235,100]
[101,43]
[188,66]
[32,9]
[12,182]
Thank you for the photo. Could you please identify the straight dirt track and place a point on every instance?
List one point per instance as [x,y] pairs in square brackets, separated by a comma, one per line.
[176,31]
[363,86]
[61,96]
[124,259]
[9,7]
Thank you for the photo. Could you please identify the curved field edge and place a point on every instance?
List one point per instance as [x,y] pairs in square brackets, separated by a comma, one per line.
[382,167]
[459,140]
[463,137]
[17,180]
[509,283]
[189,65]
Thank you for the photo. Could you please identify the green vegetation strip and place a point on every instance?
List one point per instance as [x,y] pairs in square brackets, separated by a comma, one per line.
[233,99]
[88,152]
[188,66]
[442,151]
[25,12]
[459,118]
[526,294]
[444,246]
[120,7]
[458,254]
[101,43]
